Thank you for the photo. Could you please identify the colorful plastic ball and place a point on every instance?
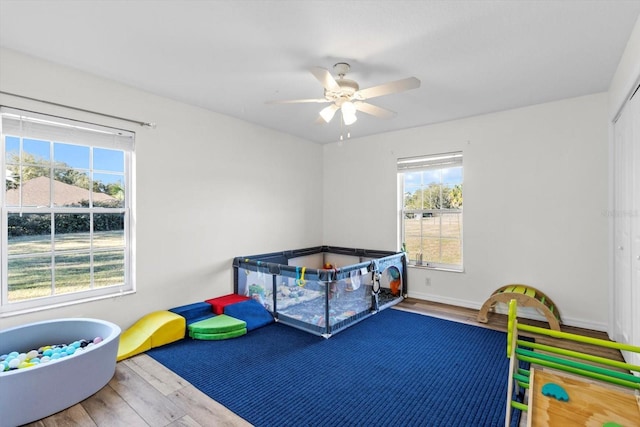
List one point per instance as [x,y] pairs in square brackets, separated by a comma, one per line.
[70,350]
[32,354]
[45,359]
[14,363]
[47,352]
[97,340]
[14,354]
[55,356]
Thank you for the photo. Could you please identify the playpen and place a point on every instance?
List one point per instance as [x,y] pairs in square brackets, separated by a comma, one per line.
[323,289]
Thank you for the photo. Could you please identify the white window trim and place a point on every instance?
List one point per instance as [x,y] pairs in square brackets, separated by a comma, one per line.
[420,163]
[38,304]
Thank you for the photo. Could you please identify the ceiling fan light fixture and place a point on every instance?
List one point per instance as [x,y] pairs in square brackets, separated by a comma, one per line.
[348,113]
[349,119]
[345,95]
[327,113]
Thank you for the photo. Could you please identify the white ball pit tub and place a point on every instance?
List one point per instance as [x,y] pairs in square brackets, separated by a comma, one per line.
[29,394]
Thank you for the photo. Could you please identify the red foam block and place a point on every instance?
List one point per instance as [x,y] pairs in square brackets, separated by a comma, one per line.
[218,304]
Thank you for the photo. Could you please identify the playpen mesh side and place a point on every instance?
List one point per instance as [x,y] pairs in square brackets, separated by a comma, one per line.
[341,302]
[317,306]
[317,300]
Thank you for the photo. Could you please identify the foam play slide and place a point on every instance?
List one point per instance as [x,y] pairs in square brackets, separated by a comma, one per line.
[153,330]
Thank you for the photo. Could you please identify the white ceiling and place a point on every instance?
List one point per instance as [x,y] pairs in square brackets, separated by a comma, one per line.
[472,56]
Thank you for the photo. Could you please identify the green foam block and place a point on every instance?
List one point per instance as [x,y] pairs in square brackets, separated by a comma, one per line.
[218,324]
[218,336]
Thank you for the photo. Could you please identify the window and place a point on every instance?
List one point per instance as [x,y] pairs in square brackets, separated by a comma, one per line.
[66,211]
[431,211]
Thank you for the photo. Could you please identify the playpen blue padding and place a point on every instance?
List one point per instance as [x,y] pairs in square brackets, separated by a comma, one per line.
[276,259]
[250,311]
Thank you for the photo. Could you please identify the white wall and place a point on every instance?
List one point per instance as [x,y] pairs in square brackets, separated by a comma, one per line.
[535,195]
[535,202]
[209,187]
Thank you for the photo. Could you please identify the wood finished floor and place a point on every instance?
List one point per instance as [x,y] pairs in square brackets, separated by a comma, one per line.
[145,393]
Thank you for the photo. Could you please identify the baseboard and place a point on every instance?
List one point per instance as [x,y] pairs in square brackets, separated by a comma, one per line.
[525,312]
[445,300]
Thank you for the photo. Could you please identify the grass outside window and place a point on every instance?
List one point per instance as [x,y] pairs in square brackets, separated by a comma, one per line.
[31,276]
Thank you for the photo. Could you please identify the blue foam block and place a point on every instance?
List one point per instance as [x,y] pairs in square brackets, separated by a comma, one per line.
[250,311]
[193,311]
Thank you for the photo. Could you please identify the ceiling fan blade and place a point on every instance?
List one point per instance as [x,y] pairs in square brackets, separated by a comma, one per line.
[374,110]
[325,77]
[327,113]
[388,88]
[300,101]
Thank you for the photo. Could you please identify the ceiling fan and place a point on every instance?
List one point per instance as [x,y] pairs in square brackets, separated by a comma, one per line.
[345,95]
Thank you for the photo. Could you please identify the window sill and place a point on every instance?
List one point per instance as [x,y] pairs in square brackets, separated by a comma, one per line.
[428,267]
[17,312]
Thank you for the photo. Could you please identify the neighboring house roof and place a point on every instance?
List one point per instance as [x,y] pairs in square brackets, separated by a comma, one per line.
[36,192]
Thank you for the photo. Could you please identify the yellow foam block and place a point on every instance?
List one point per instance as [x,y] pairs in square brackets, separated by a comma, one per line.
[153,330]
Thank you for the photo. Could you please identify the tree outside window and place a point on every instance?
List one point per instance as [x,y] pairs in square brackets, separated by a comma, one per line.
[431,212]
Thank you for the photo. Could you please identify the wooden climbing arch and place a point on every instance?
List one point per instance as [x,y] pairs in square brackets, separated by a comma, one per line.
[526,296]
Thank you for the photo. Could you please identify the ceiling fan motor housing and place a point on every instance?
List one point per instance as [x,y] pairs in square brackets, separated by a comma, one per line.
[347,89]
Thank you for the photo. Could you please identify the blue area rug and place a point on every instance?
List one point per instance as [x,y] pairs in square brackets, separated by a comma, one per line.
[393,369]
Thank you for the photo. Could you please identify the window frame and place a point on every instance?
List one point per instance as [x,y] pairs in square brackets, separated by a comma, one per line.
[107,137]
[431,162]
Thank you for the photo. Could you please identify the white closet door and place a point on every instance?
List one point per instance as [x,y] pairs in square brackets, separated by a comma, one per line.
[634,109]
[622,315]
[626,175]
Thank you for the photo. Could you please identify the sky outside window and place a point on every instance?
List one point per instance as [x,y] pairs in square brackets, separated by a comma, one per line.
[75,156]
[414,181]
